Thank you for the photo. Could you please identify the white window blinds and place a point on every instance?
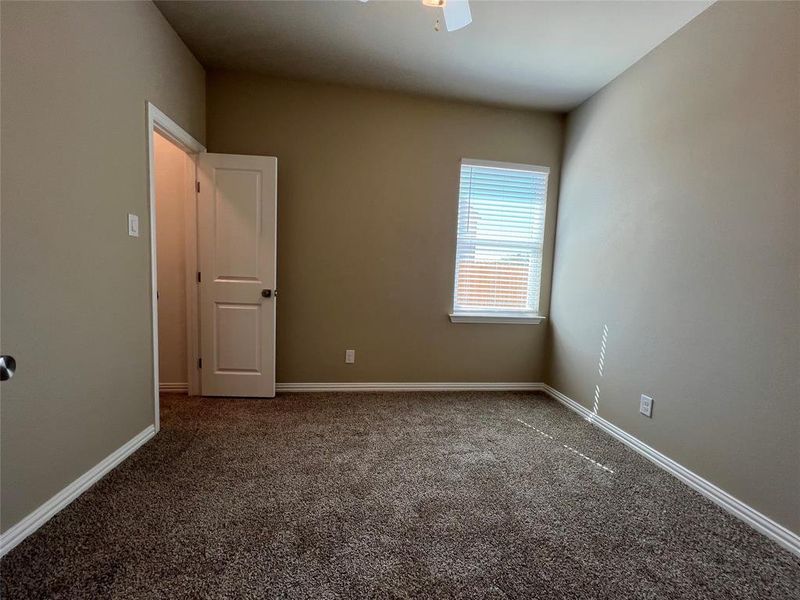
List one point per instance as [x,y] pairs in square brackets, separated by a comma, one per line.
[501,211]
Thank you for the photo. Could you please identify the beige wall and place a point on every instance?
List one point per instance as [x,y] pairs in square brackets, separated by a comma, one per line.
[679,228]
[171,190]
[75,287]
[367,206]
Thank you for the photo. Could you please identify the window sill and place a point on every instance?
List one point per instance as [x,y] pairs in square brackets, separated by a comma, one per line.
[518,319]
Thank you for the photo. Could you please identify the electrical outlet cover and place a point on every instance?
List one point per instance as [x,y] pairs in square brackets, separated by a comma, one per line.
[646,406]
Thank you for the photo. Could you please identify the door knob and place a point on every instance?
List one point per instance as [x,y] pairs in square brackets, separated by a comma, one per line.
[7,367]
[266,293]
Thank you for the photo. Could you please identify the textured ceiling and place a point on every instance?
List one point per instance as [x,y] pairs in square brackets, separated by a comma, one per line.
[549,55]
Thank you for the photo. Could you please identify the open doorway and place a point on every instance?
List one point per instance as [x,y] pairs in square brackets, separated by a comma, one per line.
[173,154]
[174,177]
[229,202]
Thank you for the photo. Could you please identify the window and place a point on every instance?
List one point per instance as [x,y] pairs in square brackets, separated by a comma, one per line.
[501,210]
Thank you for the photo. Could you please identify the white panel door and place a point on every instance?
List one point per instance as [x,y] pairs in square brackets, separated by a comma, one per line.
[236,245]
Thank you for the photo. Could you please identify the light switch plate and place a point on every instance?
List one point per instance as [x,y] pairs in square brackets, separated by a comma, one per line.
[133,225]
[646,406]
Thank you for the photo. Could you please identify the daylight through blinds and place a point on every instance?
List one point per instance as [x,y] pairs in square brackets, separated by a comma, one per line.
[501,212]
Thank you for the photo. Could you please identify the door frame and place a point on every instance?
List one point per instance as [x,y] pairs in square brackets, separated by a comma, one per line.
[160,122]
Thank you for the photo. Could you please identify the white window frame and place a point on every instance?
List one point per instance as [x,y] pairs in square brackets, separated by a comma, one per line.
[477,316]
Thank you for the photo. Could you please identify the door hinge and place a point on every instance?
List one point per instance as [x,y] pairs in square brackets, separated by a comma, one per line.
[199,363]
[197,185]
[199,277]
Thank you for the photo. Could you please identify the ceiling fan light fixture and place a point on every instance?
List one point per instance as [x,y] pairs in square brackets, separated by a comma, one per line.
[435,3]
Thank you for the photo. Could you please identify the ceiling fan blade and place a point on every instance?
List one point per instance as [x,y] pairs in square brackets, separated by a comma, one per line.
[456,14]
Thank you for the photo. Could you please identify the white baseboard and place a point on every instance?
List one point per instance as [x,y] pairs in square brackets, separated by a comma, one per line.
[175,388]
[41,515]
[776,532]
[407,387]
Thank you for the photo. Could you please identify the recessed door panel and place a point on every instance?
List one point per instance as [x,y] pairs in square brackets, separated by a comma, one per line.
[236,245]
[237,204]
[237,328]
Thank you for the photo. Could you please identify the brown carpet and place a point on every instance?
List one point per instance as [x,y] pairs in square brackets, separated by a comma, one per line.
[405,495]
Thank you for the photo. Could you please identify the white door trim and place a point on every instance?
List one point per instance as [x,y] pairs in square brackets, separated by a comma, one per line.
[158,121]
[192,291]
